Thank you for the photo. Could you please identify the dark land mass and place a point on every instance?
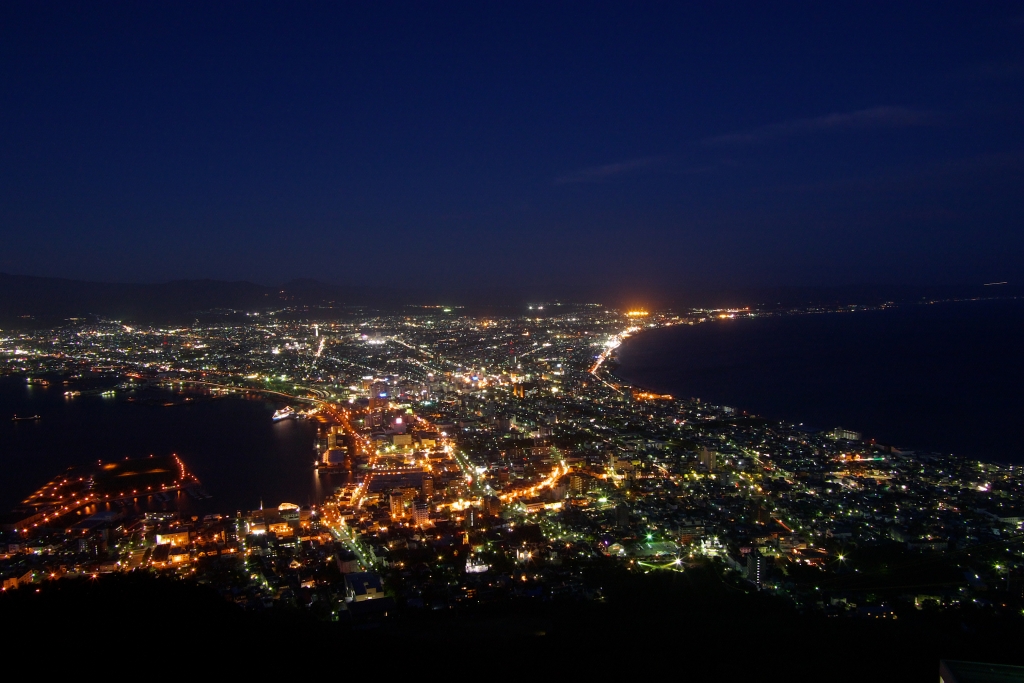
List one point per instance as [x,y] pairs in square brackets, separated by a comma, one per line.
[692,622]
[781,298]
[33,302]
[27,301]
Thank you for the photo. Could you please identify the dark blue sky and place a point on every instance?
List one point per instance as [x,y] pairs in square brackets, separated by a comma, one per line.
[573,147]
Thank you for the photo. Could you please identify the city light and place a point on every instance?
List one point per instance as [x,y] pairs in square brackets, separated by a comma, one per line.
[455,437]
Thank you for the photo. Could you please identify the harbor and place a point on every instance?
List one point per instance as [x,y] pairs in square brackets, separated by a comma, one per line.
[229,441]
[87,490]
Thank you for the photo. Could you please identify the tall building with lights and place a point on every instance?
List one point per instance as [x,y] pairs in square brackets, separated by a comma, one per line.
[421,514]
[708,459]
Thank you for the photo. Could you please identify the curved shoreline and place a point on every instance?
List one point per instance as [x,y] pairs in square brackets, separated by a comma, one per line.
[934,378]
[230,444]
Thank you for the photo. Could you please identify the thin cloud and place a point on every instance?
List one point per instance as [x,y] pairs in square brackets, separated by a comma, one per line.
[598,174]
[875,117]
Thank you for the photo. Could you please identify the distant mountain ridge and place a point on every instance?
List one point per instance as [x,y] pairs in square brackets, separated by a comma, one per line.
[785,297]
[30,301]
[47,300]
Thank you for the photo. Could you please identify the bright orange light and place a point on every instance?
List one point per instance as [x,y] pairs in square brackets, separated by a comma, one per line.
[647,396]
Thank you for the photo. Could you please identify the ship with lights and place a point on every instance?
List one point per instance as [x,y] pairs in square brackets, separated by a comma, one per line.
[284,414]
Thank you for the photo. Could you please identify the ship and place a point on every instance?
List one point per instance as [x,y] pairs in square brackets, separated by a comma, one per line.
[284,413]
[26,419]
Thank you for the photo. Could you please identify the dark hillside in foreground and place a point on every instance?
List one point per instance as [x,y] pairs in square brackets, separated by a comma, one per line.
[662,623]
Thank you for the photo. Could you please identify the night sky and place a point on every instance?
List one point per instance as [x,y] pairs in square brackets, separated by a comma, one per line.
[571,147]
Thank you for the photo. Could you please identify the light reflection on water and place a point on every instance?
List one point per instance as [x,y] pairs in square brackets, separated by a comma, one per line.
[239,454]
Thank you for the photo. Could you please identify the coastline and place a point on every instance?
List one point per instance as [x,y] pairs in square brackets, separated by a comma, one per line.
[230,444]
[917,390]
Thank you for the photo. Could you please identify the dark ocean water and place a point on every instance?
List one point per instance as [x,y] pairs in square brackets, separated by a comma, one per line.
[943,377]
[239,454]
